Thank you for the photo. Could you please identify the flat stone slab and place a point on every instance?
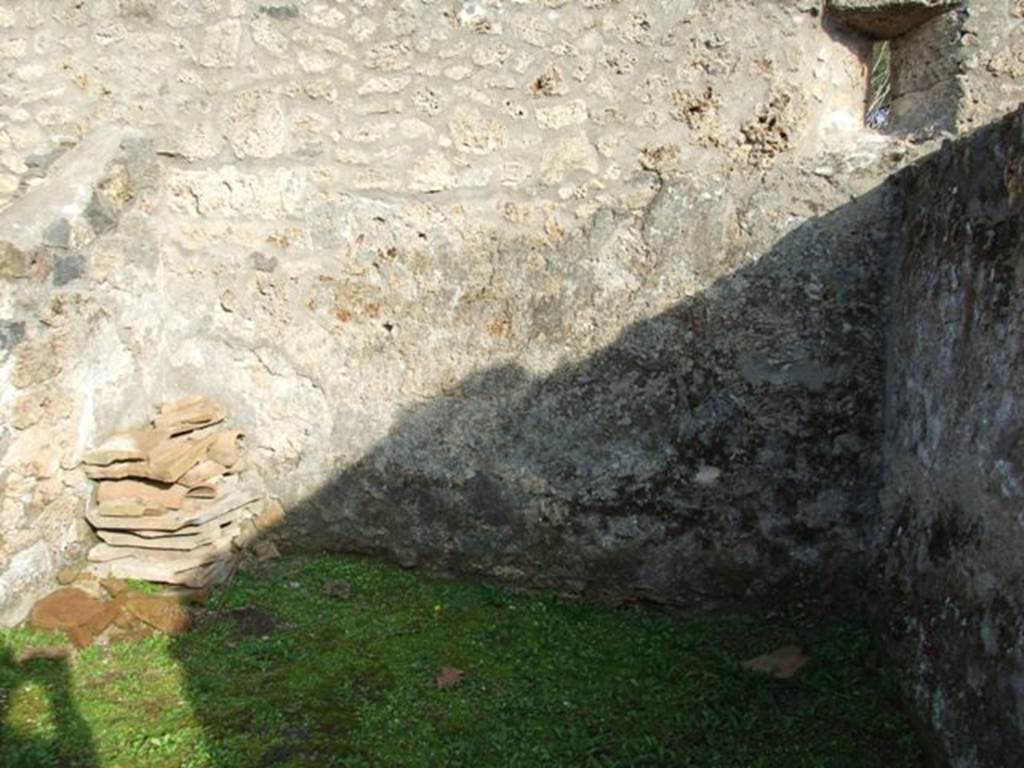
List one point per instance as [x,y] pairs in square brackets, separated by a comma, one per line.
[886,19]
[782,663]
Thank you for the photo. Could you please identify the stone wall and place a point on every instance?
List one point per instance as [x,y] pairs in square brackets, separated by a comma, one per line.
[589,295]
[349,220]
[992,69]
[949,569]
[956,71]
[719,448]
[487,279]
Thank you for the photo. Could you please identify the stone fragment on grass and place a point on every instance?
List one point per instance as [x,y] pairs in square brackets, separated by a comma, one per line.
[340,589]
[65,608]
[164,614]
[265,550]
[71,610]
[781,663]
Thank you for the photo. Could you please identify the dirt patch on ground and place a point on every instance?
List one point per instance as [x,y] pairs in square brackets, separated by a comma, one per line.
[250,621]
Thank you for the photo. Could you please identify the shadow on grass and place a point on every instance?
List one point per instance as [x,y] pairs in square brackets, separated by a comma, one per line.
[68,740]
[289,674]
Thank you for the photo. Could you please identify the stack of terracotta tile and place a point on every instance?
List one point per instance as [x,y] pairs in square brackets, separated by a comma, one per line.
[171,504]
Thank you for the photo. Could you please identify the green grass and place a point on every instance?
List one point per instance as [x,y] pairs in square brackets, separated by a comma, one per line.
[880,86]
[300,678]
[145,587]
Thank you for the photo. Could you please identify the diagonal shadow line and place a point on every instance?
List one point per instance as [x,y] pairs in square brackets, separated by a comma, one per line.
[599,479]
[722,449]
[596,479]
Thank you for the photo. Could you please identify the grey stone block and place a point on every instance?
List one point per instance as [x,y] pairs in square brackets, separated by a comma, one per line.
[886,19]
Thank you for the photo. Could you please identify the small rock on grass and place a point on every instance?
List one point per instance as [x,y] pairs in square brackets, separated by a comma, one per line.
[338,588]
[48,652]
[264,550]
[781,663]
[164,614]
[449,677]
[74,611]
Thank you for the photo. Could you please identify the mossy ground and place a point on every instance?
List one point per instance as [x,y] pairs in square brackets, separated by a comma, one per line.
[284,674]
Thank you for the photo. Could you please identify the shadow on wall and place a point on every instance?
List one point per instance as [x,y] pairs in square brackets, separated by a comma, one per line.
[72,744]
[725,449]
[722,450]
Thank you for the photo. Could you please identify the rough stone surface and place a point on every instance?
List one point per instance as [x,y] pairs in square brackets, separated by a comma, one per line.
[167,615]
[886,19]
[331,215]
[927,83]
[586,295]
[949,567]
[27,574]
[675,462]
[992,61]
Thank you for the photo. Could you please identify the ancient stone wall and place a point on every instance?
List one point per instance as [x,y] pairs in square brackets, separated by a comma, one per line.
[462,262]
[992,69]
[949,568]
[955,71]
[576,293]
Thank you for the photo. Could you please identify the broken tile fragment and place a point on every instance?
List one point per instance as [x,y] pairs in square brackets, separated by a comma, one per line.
[205,471]
[188,414]
[150,495]
[64,608]
[226,447]
[131,446]
[165,462]
[75,612]
[173,458]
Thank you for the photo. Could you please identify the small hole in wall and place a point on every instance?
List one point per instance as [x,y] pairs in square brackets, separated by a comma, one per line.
[879,108]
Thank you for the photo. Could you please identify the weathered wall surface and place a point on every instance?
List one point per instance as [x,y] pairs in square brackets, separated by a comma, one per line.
[927,76]
[992,71]
[718,448]
[958,71]
[353,221]
[949,564]
[586,294]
